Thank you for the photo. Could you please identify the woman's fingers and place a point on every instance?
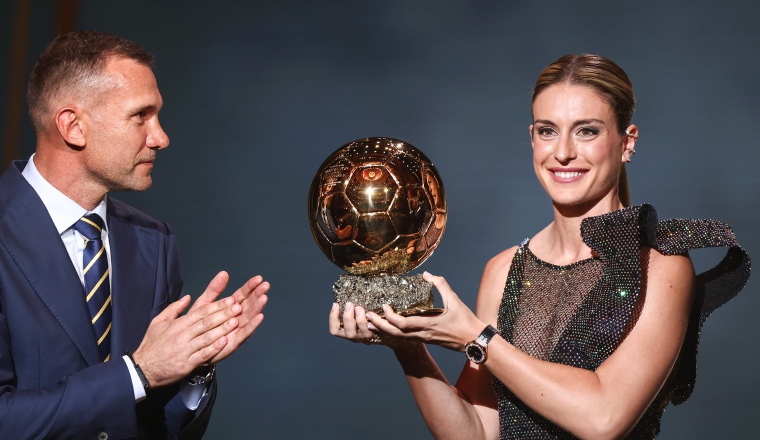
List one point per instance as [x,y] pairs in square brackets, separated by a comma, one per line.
[442,286]
[334,322]
[362,325]
[406,324]
[396,330]
[355,327]
[349,321]
[440,283]
[393,317]
[382,324]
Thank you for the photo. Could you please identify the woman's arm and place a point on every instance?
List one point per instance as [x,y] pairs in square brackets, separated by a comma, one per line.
[608,402]
[467,410]
[475,382]
[447,414]
[591,404]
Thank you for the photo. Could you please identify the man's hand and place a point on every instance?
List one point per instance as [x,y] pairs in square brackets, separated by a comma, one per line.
[251,296]
[174,346]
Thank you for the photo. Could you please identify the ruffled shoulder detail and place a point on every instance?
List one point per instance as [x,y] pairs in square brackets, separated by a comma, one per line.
[724,281]
[613,305]
[714,287]
[621,231]
[619,235]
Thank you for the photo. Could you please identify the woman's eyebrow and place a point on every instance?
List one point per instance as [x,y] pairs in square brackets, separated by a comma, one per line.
[588,121]
[543,121]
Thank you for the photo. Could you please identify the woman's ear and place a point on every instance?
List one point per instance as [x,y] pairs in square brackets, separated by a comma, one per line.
[530,130]
[629,143]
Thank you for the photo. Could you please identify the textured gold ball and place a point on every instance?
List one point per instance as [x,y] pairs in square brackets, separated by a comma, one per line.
[377,205]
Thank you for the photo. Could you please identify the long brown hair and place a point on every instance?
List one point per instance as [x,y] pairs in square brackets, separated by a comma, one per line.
[608,80]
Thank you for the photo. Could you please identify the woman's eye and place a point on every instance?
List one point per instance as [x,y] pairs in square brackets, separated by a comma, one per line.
[588,131]
[545,131]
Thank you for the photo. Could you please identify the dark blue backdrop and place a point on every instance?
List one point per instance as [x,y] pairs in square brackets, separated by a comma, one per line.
[257,94]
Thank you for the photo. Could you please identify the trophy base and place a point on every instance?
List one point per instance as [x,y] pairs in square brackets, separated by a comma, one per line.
[408,295]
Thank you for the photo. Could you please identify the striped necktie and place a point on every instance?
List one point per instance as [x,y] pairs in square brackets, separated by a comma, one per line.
[96,283]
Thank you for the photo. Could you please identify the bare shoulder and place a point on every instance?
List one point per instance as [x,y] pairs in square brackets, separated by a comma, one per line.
[502,260]
[492,285]
[667,267]
[668,277]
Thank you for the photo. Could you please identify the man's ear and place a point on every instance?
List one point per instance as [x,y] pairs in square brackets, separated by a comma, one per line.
[70,126]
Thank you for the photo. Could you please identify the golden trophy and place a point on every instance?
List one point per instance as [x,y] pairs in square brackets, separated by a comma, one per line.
[377,209]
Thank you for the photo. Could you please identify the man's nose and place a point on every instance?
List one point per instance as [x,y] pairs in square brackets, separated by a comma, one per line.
[158,138]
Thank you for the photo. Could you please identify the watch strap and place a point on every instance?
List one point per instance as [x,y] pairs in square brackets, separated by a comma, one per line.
[486,335]
[143,380]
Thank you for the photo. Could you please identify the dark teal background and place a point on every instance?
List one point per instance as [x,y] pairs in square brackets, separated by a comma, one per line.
[258,94]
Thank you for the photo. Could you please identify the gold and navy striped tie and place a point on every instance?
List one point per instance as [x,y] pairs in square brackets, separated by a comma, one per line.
[96,284]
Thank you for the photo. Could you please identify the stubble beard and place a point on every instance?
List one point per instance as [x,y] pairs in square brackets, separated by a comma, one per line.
[139,183]
[127,180]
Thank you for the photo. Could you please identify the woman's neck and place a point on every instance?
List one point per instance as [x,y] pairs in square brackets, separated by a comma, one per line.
[560,242]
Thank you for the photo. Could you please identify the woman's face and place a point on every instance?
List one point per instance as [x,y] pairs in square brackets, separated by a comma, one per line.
[577,150]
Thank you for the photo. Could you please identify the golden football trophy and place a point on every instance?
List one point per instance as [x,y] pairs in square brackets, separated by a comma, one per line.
[377,209]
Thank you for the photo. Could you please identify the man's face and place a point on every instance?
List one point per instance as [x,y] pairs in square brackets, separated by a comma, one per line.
[122,132]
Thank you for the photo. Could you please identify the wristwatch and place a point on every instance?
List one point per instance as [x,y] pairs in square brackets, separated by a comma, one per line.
[202,375]
[476,350]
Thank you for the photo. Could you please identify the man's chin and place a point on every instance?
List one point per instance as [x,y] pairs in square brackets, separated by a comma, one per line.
[135,186]
[143,187]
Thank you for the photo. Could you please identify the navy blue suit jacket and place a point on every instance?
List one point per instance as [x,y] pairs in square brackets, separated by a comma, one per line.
[51,383]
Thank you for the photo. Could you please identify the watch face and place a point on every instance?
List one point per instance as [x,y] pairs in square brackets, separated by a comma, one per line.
[475,353]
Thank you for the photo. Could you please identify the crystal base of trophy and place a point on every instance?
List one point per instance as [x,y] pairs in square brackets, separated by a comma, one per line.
[407,295]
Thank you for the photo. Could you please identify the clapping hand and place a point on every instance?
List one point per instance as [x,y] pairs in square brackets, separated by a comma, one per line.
[212,329]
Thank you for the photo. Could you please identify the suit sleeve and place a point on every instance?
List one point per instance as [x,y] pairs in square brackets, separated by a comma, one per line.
[83,401]
[181,422]
[96,399]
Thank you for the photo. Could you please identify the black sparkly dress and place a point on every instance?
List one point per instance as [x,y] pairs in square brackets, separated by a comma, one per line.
[579,314]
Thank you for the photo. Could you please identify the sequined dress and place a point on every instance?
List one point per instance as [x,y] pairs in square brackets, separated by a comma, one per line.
[579,314]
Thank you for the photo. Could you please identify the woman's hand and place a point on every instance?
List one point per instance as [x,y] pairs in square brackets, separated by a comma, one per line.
[453,328]
[467,411]
[357,328]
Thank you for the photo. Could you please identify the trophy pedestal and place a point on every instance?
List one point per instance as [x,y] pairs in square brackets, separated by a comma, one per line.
[408,295]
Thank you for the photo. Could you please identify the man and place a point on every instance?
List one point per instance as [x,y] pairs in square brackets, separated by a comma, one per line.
[92,344]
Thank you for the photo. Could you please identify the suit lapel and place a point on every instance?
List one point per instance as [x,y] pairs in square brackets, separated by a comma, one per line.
[134,256]
[30,237]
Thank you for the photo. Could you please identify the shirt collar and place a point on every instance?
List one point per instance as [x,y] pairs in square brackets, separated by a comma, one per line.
[64,211]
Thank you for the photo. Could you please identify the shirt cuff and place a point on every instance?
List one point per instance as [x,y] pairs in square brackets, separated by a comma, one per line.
[136,384]
[193,394]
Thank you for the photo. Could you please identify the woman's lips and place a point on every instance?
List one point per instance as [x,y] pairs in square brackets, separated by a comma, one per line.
[567,175]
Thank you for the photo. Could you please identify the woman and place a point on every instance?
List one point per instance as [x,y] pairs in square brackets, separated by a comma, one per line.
[598,315]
